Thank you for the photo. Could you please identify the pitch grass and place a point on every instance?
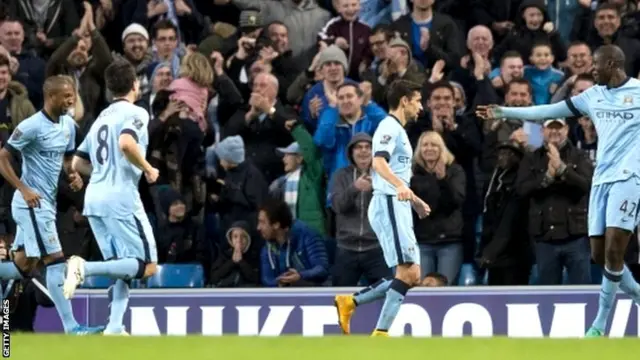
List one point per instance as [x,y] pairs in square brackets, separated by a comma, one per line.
[53,347]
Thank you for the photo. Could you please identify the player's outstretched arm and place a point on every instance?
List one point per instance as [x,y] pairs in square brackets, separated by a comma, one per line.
[537,114]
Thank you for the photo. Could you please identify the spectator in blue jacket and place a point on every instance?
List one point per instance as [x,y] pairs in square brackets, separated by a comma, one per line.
[294,254]
[333,65]
[350,112]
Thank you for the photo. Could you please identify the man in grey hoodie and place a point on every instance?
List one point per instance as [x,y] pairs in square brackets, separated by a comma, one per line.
[359,251]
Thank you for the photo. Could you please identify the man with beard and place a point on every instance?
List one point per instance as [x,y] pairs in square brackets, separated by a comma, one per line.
[84,56]
[135,42]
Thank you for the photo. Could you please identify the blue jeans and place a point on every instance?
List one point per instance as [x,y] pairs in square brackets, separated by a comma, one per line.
[574,255]
[443,258]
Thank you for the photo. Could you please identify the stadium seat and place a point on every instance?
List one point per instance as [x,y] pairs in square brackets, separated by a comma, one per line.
[467,276]
[177,276]
[97,282]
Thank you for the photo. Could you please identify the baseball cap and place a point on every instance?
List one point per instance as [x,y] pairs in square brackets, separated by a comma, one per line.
[294,148]
[551,121]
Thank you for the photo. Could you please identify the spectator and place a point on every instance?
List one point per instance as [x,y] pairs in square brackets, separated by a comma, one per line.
[504,249]
[333,65]
[238,263]
[160,77]
[278,55]
[348,33]
[301,185]
[47,24]
[182,14]
[434,279]
[586,137]
[511,68]
[359,253]
[354,113]
[166,44]
[243,187]
[84,56]
[259,124]
[379,44]
[30,67]
[176,234]
[480,46]
[557,178]
[294,254]
[432,35]
[14,104]
[135,44]
[541,74]
[441,183]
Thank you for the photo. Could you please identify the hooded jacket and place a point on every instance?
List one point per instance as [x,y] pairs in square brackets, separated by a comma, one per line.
[353,231]
[227,273]
[522,39]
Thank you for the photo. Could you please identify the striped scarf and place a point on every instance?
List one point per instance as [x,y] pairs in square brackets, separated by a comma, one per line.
[291,191]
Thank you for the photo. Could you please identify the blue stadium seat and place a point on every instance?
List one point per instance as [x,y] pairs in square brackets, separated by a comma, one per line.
[97,282]
[467,276]
[177,276]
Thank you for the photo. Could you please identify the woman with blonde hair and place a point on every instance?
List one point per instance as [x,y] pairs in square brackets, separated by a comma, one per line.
[441,183]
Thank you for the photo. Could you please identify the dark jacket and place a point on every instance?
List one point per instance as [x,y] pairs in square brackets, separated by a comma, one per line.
[557,208]
[357,35]
[243,191]
[446,41]
[353,230]
[262,137]
[31,74]
[522,39]
[445,198]
[504,241]
[304,251]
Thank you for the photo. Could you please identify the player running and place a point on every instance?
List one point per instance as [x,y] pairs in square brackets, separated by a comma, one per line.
[614,107]
[390,210]
[46,141]
[113,153]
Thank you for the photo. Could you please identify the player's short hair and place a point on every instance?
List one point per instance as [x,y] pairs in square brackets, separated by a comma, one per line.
[353,85]
[399,89]
[442,84]
[278,212]
[519,81]
[510,54]
[120,77]
[54,83]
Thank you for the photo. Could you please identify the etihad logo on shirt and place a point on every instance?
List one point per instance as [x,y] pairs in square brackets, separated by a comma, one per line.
[614,115]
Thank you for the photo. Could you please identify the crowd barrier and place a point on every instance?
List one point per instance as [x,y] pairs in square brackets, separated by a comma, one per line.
[529,311]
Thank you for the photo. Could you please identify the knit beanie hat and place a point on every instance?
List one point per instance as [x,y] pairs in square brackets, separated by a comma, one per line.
[333,53]
[397,41]
[231,150]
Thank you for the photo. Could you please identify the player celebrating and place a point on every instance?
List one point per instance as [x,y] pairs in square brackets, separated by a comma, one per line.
[113,153]
[46,141]
[613,106]
[390,210]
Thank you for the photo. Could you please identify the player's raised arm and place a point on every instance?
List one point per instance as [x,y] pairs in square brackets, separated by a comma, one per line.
[537,114]
[23,135]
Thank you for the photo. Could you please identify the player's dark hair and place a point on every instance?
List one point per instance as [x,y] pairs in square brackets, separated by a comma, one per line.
[164,24]
[399,89]
[278,212]
[353,85]
[54,83]
[519,81]
[442,84]
[4,61]
[439,277]
[607,6]
[120,77]
[510,54]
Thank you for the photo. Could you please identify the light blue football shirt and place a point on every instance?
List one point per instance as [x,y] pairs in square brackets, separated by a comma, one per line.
[113,187]
[43,143]
[391,142]
[615,113]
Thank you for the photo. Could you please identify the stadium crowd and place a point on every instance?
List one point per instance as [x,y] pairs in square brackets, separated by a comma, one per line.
[255,100]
